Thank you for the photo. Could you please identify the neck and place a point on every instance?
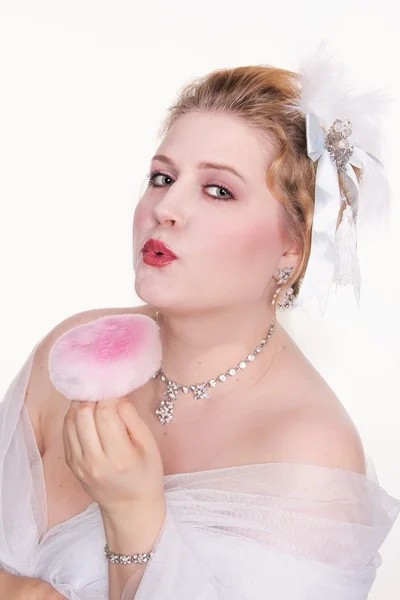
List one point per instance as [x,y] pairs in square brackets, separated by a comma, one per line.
[203,345]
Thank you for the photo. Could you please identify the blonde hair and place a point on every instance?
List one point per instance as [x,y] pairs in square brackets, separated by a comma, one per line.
[264,98]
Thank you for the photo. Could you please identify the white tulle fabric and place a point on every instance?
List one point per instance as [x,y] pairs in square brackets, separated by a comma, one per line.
[258,532]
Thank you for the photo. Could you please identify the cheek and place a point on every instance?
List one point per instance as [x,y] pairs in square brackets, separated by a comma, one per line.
[141,222]
[255,243]
[262,239]
[141,225]
[139,218]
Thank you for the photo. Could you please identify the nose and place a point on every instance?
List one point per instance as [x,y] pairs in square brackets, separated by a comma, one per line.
[170,209]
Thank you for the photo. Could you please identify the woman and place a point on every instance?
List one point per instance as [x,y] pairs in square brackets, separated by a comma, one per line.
[260,490]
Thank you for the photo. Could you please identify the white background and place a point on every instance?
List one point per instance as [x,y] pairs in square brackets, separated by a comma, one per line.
[84,86]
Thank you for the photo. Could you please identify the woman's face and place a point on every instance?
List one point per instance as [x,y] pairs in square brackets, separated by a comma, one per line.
[222,223]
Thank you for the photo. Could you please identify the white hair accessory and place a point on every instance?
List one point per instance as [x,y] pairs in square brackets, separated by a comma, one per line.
[343,132]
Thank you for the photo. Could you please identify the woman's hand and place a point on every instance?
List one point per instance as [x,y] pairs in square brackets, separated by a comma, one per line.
[26,588]
[114,455]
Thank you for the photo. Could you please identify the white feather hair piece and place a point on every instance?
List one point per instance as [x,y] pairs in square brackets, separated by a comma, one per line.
[327,95]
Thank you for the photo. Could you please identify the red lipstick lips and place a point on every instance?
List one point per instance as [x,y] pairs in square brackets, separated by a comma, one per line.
[157,254]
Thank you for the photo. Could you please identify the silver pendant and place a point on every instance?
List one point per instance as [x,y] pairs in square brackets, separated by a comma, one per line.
[165,410]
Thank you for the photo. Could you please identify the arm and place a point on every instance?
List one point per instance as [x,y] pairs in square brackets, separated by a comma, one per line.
[22,588]
[177,573]
[119,535]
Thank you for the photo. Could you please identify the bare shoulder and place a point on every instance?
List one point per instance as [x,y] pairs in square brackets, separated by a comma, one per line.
[313,426]
[320,437]
[43,401]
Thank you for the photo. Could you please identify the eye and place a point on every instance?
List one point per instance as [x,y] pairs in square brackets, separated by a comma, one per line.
[153,175]
[226,194]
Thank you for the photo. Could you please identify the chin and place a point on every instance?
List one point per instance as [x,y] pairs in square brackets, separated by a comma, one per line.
[155,293]
[164,298]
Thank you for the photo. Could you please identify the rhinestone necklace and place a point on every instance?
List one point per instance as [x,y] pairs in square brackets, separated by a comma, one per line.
[165,411]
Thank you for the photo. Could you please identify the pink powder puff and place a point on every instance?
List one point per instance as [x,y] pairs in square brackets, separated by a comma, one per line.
[106,358]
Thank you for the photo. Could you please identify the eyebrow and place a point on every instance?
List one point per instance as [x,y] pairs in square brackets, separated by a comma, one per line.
[202,165]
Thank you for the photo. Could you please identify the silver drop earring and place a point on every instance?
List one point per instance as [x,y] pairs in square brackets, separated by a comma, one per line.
[287,300]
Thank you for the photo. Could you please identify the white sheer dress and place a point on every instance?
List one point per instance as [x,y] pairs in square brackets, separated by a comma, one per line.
[271,531]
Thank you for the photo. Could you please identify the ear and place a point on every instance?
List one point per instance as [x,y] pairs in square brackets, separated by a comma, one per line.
[291,256]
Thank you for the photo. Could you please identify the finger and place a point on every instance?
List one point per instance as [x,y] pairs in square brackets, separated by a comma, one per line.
[111,429]
[72,446]
[139,432]
[67,447]
[87,431]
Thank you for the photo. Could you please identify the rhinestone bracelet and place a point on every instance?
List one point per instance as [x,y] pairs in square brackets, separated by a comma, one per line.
[123,559]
